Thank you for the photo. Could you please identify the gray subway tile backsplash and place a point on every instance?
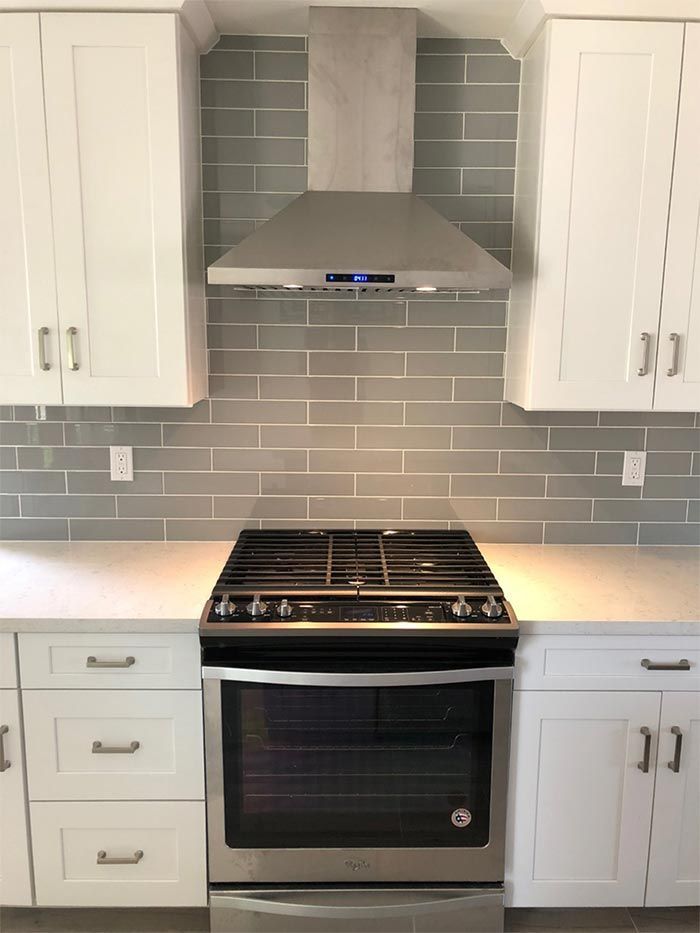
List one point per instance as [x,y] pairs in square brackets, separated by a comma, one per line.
[16,481]
[492,69]
[34,529]
[344,410]
[9,506]
[439,126]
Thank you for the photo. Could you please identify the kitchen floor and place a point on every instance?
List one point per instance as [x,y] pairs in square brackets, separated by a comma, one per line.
[524,920]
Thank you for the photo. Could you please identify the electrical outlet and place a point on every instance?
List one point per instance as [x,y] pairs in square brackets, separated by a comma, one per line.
[634,467]
[121,464]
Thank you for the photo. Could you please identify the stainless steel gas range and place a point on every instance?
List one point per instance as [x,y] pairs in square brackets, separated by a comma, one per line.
[357,693]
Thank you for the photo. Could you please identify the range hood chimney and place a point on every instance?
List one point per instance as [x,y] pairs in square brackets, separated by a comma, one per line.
[359,225]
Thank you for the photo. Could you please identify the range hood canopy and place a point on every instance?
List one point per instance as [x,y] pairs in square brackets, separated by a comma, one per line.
[359,225]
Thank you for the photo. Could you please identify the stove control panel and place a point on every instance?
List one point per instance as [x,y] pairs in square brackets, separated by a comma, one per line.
[285,610]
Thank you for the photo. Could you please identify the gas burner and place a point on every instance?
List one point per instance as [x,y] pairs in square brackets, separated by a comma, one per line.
[357,582]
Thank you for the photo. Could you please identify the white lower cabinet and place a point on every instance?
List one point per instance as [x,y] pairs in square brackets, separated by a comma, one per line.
[115,772]
[674,856]
[580,805]
[121,745]
[119,854]
[15,874]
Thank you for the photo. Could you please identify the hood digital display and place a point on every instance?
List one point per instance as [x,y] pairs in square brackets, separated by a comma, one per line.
[359,278]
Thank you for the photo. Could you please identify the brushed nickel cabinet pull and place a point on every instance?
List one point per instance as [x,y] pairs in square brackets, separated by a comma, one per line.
[99,749]
[646,341]
[643,765]
[104,859]
[682,665]
[675,765]
[42,334]
[675,349]
[70,346]
[4,765]
[92,662]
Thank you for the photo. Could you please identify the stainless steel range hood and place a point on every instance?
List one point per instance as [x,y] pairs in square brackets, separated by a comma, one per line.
[359,225]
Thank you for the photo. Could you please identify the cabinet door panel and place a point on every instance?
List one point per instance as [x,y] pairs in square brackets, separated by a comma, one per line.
[165,843]
[15,882]
[112,117]
[27,283]
[674,857]
[164,725]
[610,117]
[679,389]
[579,806]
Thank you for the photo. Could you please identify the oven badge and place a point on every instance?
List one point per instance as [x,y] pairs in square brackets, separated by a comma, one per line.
[461,818]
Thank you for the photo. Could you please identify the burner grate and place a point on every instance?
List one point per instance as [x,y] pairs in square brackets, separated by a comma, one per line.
[355,563]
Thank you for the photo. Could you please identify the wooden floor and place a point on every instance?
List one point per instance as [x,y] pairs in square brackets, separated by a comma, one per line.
[525,920]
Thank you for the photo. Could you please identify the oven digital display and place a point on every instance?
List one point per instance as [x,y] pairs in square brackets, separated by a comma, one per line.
[360,278]
[359,613]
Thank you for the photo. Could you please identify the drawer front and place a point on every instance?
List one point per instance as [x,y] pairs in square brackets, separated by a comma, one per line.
[114,744]
[161,847]
[8,668]
[607,662]
[103,661]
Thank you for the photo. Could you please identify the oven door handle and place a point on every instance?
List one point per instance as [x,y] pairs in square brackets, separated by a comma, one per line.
[276,904]
[352,679]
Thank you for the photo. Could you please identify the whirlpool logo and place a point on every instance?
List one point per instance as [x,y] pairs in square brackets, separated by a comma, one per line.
[357,864]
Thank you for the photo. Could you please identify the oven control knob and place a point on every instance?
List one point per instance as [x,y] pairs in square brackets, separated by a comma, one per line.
[285,610]
[492,609]
[225,607]
[461,609]
[256,608]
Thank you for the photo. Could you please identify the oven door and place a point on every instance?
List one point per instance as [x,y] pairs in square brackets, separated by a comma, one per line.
[374,775]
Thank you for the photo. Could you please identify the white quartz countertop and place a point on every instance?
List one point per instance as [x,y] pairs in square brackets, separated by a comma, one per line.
[150,587]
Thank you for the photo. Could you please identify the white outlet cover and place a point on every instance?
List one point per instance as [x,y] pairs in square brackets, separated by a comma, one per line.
[121,464]
[634,468]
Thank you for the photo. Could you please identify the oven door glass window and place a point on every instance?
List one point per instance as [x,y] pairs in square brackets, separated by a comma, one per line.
[357,766]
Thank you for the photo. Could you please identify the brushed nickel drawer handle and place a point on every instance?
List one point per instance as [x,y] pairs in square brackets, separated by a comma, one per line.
[92,662]
[4,765]
[70,346]
[99,749]
[42,334]
[643,765]
[675,765]
[675,350]
[104,859]
[646,341]
[682,665]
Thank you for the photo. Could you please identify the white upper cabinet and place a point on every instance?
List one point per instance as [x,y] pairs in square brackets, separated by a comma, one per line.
[678,368]
[30,368]
[122,133]
[593,185]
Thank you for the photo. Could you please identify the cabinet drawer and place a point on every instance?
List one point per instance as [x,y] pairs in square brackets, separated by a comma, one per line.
[114,744]
[163,845]
[607,662]
[8,668]
[103,661]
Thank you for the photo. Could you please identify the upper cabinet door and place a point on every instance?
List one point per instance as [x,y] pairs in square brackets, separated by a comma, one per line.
[674,856]
[30,367]
[603,160]
[113,124]
[678,367]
